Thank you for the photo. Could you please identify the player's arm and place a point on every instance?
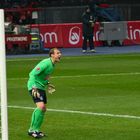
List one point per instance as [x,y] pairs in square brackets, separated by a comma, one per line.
[36,71]
[50,86]
[39,68]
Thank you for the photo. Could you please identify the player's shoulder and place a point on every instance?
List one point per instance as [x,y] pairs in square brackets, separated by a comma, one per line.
[46,60]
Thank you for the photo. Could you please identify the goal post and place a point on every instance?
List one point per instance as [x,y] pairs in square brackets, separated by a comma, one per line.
[3,83]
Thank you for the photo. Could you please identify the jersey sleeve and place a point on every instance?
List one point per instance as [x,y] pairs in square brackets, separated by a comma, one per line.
[36,71]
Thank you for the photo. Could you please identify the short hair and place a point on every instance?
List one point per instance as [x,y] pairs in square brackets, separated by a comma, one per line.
[52,51]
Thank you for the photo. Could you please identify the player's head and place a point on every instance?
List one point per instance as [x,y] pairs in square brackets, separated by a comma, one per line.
[87,9]
[55,54]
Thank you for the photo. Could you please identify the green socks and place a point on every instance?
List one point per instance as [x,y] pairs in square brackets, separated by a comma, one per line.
[37,119]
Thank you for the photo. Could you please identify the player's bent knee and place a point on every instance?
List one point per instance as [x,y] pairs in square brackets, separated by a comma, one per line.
[42,106]
[44,109]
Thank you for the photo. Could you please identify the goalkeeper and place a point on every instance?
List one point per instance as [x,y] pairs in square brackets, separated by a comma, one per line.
[37,83]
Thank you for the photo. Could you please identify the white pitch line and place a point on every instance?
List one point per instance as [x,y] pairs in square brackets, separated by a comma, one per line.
[82,112]
[98,75]
[88,75]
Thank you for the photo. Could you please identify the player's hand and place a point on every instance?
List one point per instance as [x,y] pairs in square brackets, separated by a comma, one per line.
[51,88]
[35,93]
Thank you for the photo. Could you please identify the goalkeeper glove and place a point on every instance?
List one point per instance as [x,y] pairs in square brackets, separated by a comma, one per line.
[35,93]
[51,88]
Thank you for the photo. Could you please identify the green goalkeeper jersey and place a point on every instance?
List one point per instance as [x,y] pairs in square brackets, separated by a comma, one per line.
[38,77]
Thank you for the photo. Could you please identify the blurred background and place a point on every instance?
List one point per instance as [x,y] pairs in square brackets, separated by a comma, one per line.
[25,19]
[63,11]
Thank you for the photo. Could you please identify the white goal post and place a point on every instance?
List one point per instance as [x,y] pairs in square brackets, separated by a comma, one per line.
[3,83]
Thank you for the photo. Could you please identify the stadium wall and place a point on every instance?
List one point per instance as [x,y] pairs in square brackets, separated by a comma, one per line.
[53,15]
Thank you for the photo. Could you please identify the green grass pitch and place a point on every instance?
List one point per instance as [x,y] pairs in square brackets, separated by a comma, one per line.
[108,84]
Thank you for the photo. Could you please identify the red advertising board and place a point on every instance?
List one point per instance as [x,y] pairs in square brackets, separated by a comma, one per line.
[133,33]
[70,35]
[17,39]
[60,35]
[51,35]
